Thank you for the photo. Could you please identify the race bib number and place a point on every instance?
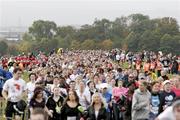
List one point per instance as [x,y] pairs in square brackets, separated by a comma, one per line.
[71,118]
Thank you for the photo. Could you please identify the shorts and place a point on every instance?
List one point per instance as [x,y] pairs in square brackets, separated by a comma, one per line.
[10,111]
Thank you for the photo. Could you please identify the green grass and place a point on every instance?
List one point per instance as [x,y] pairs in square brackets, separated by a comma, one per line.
[125,65]
[25,76]
[2,109]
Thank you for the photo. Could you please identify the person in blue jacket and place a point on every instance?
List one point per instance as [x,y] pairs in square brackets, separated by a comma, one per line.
[8,75]
[2,80]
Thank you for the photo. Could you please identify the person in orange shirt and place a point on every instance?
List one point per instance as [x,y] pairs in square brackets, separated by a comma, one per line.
[138,66]
[153,65]
[147,66]
[21,66]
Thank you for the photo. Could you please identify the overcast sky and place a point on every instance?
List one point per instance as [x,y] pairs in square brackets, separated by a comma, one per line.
[79,12]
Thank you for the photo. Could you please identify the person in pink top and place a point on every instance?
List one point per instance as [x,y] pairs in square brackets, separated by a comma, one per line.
[119,91]
[118,95]
[175,81]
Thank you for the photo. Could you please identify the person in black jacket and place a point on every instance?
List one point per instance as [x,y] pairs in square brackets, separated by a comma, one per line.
[175,65]
[97,109]
[38,101]
[54,104]
[166,97]
[71,109]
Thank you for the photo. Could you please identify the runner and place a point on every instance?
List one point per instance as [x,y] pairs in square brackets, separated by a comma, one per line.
[95,71]
[13,91]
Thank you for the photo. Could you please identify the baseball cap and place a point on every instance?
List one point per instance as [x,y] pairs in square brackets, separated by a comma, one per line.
[165,82]
[104,85]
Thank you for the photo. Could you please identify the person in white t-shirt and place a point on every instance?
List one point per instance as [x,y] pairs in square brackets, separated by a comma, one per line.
[74,75]
[84,96]
[122,56]
[118,57]
[31,85]
[13,91]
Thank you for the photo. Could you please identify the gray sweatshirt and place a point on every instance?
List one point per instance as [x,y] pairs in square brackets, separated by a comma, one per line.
[140,105]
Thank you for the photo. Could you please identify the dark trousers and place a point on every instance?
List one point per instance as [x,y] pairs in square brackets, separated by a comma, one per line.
[10,111]
[117,114]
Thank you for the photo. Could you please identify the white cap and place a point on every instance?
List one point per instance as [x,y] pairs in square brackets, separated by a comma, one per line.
[104,85]
[165,82]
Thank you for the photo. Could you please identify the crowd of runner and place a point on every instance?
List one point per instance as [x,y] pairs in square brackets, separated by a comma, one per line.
[91,85]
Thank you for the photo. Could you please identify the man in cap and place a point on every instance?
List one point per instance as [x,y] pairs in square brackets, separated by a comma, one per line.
[167,96]
[105,93]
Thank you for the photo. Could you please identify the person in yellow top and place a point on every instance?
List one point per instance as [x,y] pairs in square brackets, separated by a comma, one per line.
[153,76]
[59,51]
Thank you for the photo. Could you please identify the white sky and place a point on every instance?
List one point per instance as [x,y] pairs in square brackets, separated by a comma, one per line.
[79,12]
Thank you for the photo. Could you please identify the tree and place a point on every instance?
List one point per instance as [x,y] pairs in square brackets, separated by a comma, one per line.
[135,32]
[43,29]
[149,40]
[24,46]
[88,45]
[48,45]
[3,47]
[13,49]
[169,43]
[107,44]
[138,23]
[136,18]
[27,37]
[165,43]
[85,32]
[65,31]
[119,28]
[75,44]
[176,40]
[132,40]
[167,25]
[102,29]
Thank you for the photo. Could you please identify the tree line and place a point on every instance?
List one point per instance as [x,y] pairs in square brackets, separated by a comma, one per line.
[135,32]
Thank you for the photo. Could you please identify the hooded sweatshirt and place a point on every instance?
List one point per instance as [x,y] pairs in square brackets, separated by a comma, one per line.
[140,105]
